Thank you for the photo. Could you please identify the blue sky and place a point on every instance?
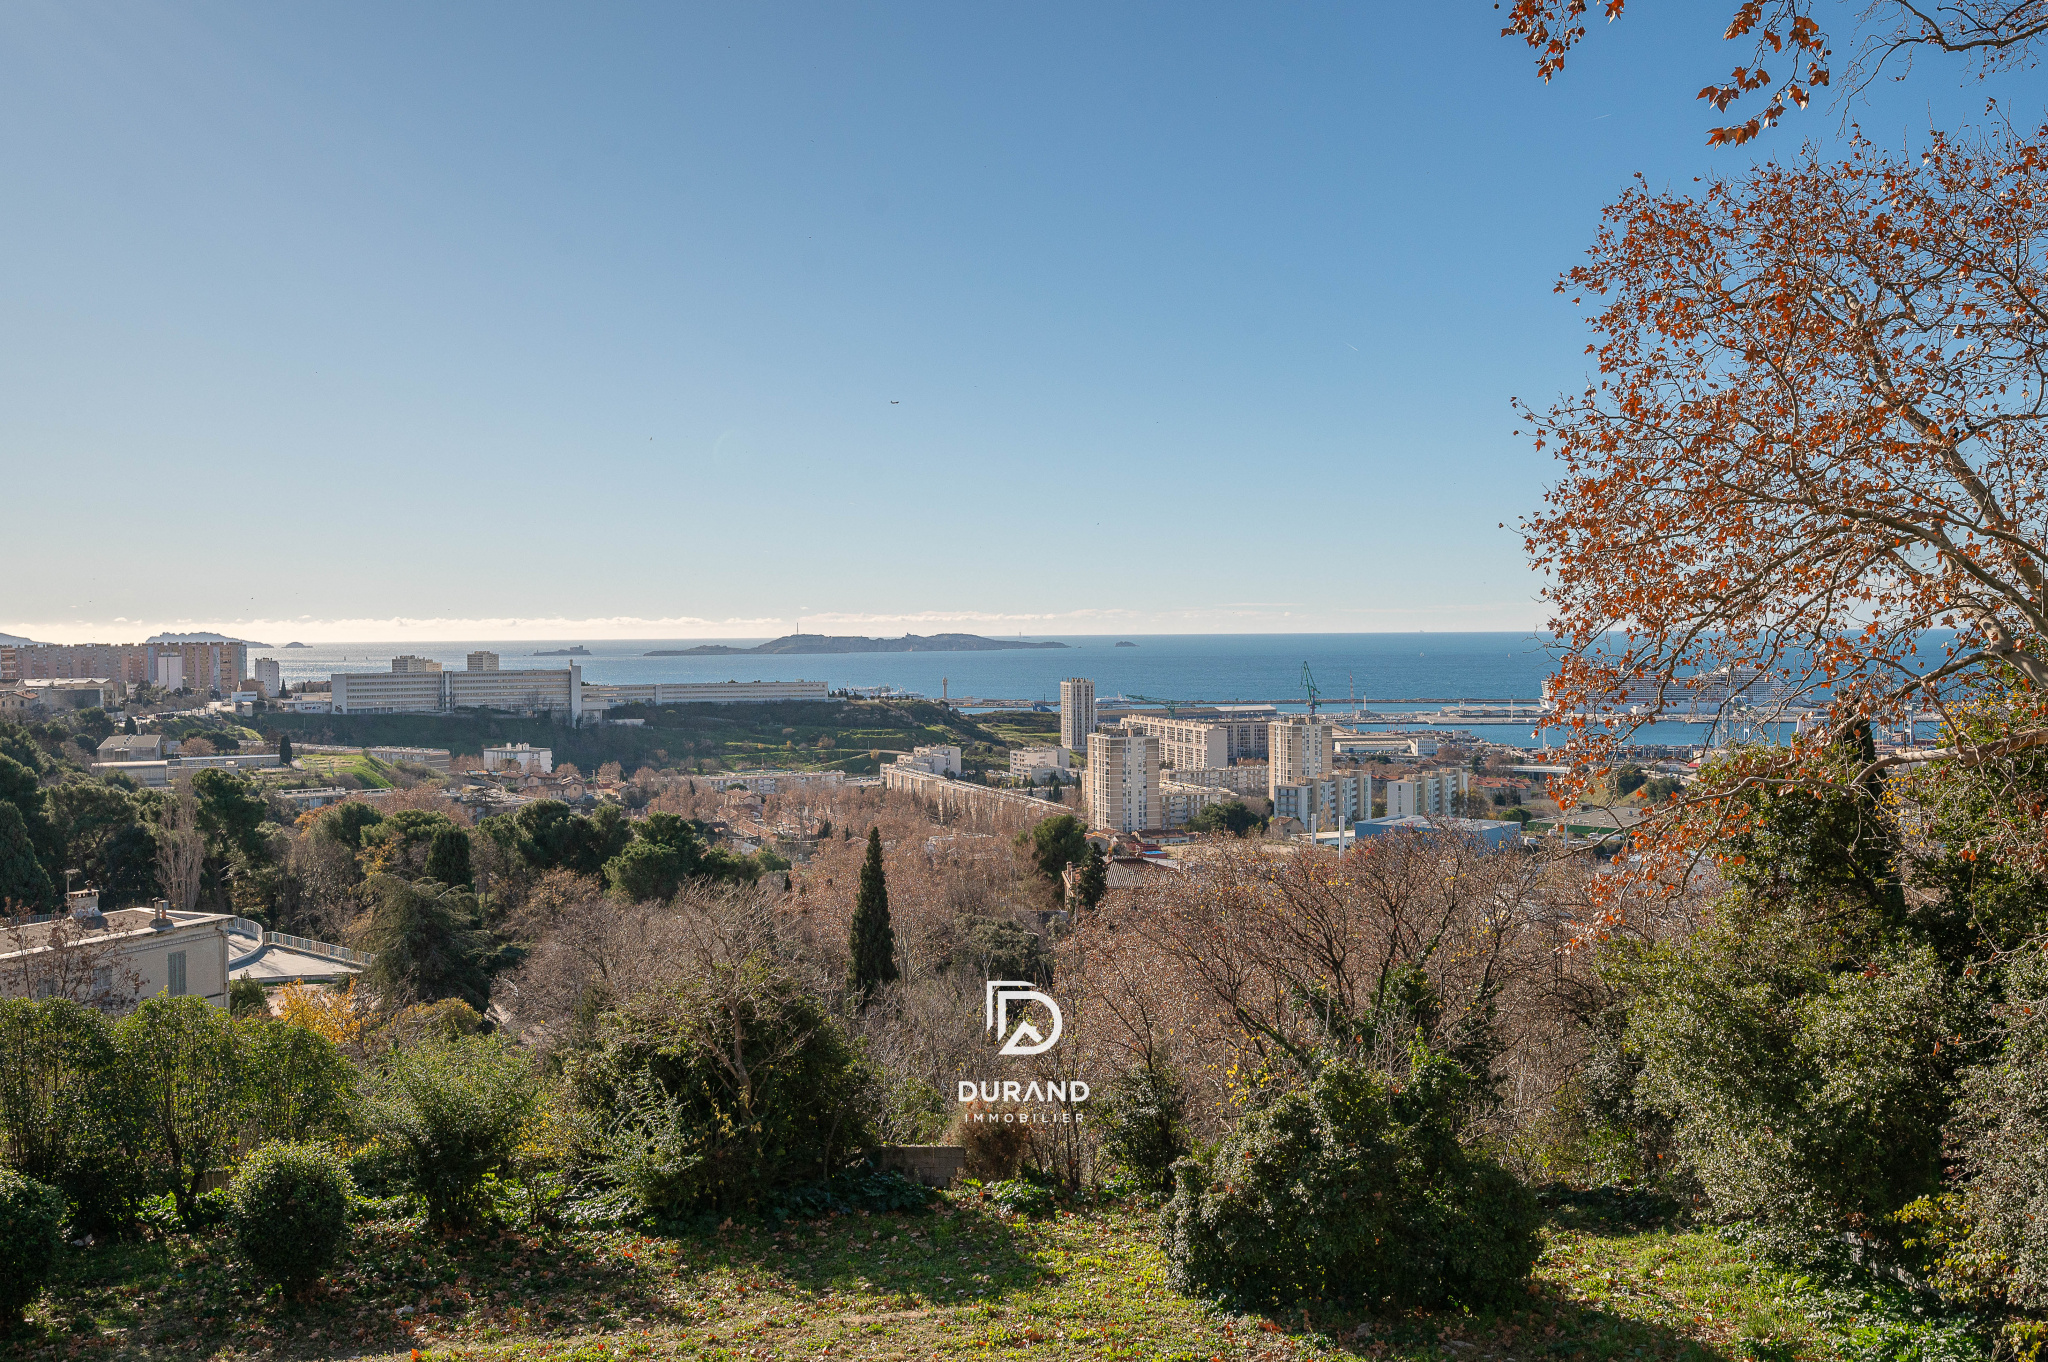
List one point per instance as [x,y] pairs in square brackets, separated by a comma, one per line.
[389,321]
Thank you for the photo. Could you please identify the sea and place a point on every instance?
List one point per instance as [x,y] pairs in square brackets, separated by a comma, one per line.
[1387,680]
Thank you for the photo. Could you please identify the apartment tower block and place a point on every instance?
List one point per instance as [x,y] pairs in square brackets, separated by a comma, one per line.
[1077,712]
[1122,781]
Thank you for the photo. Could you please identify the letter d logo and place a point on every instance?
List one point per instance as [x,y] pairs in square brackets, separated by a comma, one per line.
[1025,1040]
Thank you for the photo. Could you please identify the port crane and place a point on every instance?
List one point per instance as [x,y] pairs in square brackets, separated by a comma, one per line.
[1308,683]
[1172,706]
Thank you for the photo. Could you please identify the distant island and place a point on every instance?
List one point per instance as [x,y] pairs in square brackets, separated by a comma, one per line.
[830,643]
[1122,644]
[294,645]
[15,640]
[203,638]
[578,651]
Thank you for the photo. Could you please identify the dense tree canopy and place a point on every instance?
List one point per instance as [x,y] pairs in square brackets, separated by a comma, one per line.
[1820,431]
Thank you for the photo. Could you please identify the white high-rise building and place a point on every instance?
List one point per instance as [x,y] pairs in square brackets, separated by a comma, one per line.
[267,676]
[1302,781]
[1122,781]
[1077,712]
[1300,749]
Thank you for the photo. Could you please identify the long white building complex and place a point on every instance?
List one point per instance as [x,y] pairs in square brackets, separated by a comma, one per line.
[704,692]
[418,686]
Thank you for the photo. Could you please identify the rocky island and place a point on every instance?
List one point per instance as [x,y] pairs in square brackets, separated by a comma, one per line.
[833,643]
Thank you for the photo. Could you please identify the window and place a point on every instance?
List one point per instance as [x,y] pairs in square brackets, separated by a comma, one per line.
[176,963]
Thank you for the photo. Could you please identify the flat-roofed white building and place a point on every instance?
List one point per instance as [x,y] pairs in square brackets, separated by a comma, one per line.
[1179,801]
[1243,780]
[939,759]
[524,756]
[483,662]
[132,747]
[388,693]
[112,960]
[1334,799]
[1386,744]
[268,676]
[705,692]
[1038,763]
[559,693]
[1122,781]
[1426,793]
[555,692]
[1183,742]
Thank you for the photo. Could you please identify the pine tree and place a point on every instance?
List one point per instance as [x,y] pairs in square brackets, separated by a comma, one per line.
[874,941]
[24,885]
[448,859]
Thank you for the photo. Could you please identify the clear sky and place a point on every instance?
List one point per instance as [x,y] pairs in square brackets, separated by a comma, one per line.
[386,321]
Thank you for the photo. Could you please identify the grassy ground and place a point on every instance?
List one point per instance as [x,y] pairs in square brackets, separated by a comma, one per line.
[364,767]
[962,1282]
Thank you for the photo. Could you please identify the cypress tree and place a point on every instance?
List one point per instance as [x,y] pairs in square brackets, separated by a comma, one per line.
[284,749]
[1093,881]
[874,941]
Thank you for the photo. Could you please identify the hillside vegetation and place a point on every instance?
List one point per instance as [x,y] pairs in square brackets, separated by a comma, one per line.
[810,735]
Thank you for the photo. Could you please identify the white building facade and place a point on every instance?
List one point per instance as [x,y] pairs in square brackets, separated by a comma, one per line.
[1077,713]
[1122,781]
[1038,763]
[1428,793]
[940,760]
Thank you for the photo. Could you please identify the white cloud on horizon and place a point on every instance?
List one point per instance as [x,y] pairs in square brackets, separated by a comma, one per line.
[1245,617]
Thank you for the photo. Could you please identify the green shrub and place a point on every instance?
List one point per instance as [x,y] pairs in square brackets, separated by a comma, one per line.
[1808,1073]
[457,1109]
[1016,1196]
[301,1086]
[31,1229]
[1145,1129]
[683,1132]
[246,998]
[379,1169]
[66,1113]
[1353,1188]
[289,1211]
[2001,1138]
[186,1064]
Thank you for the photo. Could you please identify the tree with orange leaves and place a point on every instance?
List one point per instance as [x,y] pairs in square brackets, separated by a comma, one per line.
[1819,431]
[1992,35]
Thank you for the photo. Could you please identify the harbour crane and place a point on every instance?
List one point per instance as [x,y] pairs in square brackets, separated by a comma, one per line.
[1172,706]
[1308,683]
